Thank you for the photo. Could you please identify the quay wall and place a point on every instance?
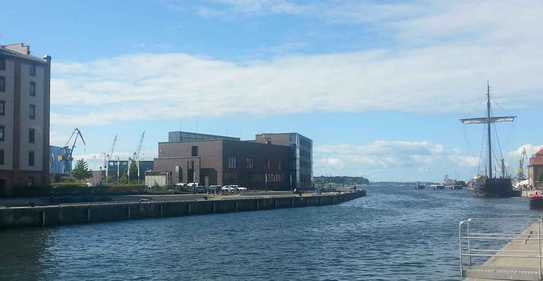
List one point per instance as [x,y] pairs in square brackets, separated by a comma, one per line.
[54,215]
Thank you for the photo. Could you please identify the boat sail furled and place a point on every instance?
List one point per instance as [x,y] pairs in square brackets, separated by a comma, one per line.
[489,185]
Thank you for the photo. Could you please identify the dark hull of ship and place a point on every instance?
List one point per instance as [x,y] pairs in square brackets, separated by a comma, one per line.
[496,188]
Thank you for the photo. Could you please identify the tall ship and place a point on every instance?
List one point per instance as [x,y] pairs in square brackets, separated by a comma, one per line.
[491,185]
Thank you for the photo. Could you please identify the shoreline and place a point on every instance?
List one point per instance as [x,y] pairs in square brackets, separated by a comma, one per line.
[84,213]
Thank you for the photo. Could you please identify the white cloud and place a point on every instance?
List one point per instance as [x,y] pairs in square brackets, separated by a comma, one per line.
[465,43]
[406,160]
[392,159]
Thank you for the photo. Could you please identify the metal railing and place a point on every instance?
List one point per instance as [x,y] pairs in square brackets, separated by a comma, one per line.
[479,247]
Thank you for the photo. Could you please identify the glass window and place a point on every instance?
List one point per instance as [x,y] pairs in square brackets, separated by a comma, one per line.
[31,158]
[194,151]
[31,135]
[1,157]
[2,133]
[2,84]
[33,70]
[2,63]
[2,108]
[32,89]
[32,113]
[250,163]
[231,163]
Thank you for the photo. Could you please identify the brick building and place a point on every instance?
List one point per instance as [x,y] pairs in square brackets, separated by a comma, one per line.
[219,160]
[535,170]
[24,118]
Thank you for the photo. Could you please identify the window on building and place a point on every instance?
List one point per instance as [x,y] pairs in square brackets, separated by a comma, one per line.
[31,135]
[2,63]
[33,70]
[32,89]
[231,163]
[249,163]
[2,84]
[2,133]
[32,113]
[1,157]
[2,108]
[31,158]
[195,151]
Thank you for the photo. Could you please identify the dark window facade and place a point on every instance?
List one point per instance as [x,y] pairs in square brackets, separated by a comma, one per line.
[32,89]
[33,70]
[31,158]
[32,113]
[1,157]
[2,133]
[231,163]
[2,108]
[31,135]
[194,150]
[2,84]
[249,163]
[2,63]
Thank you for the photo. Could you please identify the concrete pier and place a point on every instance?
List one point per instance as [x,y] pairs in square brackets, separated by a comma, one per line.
[518,260]
[52,215]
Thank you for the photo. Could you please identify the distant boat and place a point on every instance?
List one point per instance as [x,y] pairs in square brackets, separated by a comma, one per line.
[488,185]
[420,186]
[437,186]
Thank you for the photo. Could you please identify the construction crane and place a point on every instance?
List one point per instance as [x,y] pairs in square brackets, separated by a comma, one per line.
[76,134]
[521,175]
[110,155]
[136,156]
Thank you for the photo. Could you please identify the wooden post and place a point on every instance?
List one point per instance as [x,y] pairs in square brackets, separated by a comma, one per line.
[129,214]
[43,218]
[161,210]
[88,214]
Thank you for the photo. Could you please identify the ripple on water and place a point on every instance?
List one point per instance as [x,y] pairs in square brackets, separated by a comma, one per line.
[392,234]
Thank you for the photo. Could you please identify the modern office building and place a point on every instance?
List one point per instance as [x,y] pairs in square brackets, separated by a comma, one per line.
[24,118]
[181,136]
[301,156]
[220,160]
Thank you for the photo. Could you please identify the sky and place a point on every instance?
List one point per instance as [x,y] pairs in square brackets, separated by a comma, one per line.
[379,86]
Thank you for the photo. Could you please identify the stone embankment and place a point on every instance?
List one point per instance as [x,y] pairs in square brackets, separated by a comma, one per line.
[52,215]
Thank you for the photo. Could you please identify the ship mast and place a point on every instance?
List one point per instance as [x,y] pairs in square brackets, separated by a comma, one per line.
[488,120]
[488,123]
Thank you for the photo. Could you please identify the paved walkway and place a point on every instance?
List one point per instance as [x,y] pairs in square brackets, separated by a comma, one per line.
[504,267]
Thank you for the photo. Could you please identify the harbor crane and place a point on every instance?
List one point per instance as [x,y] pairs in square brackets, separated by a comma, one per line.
[521,175]
[136,156]
[110,155]
[76,134]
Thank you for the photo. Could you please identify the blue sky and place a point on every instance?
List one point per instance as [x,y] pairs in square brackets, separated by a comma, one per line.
[378,85]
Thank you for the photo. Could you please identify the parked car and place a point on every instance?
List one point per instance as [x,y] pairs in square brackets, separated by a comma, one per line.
[227,188]
[213,188]
[241,188]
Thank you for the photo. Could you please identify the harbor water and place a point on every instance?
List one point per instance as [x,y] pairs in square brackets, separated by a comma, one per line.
[395,233]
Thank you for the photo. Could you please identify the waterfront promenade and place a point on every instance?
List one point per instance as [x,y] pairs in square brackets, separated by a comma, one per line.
[157,206]
[518,260]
